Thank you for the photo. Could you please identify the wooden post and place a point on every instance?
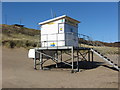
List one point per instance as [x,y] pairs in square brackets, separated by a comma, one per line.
[92,56]
[88,55]
[41,61]
[56,57]
[72,56]
[77,61]
[35,60]
[61,56]
[61,59]
[92,59]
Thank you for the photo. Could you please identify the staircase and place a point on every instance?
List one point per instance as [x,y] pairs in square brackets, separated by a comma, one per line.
[93,45]
[105,59]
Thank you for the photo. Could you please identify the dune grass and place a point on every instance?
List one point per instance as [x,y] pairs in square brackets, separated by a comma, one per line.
[104,49]
[19,37]
[20,40]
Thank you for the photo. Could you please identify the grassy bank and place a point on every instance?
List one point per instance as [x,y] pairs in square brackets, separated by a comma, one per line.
[104,49]
[13,36]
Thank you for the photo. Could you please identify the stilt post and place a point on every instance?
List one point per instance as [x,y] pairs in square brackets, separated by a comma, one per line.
[77,60]
[88,55]
[72,56]
[92,59]
[56,57]
[41,61]
[61,56]
[35,60]
[92,56]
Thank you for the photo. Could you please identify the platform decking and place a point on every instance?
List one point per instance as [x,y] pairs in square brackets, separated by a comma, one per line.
[42,53]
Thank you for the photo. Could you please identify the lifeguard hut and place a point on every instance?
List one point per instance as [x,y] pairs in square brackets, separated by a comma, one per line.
[59,31]
[60,35]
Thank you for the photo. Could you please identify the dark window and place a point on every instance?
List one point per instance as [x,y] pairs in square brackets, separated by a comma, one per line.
[71,30]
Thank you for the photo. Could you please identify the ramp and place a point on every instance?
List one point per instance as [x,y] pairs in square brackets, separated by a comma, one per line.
[105,59]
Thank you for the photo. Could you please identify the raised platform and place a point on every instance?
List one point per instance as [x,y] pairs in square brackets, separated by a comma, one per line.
[75,54]
[62,48]
[51,53]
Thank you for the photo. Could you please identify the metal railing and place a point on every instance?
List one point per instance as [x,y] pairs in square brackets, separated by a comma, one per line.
[68,36]
[46,39]
[80,39]
[70,39]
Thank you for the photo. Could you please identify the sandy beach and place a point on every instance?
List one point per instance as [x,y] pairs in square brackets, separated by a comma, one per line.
[18,72]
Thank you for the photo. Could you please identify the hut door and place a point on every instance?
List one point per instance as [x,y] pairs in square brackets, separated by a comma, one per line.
[60,28]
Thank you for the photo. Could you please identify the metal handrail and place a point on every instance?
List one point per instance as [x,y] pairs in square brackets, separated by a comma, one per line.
[56,40]
[87,40]
[77,37]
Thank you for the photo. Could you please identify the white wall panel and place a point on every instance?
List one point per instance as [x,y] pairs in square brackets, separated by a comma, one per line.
[58,33]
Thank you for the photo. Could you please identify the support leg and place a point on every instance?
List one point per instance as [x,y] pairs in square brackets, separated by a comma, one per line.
[61,59]
[35,60]
[72,56]
[77,61]
[56,56]
[61,56]
[92,59]
[88,55]
[92,56]
[41,61]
